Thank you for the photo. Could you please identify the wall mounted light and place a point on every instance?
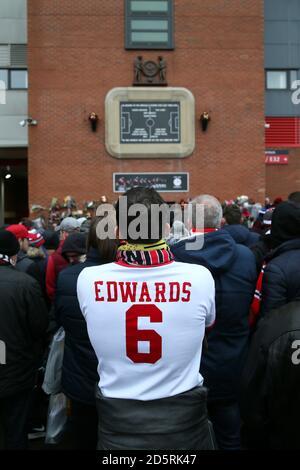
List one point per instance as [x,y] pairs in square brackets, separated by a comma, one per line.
[28,122]
[204,120]
[8,174]
[94,119]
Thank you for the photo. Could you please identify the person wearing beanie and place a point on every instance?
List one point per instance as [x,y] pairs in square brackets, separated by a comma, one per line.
[24,263]
[56,262]
[51,241]
[9,248]
[23,324]
[74,248]
[281,280]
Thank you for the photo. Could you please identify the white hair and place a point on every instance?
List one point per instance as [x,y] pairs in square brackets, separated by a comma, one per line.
[212,212]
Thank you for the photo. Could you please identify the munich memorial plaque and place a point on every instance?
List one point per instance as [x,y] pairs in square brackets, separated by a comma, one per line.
[162,182]
[150,122]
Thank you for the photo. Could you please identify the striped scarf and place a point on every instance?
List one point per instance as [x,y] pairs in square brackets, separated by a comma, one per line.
[152,254]
[256,302]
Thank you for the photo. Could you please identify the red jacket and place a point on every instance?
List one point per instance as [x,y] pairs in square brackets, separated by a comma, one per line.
[56,263]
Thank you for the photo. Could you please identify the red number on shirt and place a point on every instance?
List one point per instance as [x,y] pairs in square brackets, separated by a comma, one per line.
[133,335]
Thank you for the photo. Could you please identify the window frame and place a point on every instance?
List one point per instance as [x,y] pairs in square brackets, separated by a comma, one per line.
[10,79]
[288,78]
[7,71]
[150,15]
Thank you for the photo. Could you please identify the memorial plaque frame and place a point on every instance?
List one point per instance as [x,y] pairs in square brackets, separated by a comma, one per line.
[147,95]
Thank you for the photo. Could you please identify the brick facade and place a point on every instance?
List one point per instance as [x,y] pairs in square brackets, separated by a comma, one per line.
[281,180]
[76,55]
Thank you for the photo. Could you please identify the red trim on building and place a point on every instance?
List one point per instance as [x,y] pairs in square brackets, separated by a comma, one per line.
[282,132]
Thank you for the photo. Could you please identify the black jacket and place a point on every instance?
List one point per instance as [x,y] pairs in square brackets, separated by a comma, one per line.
[233,269]
[179,423]
[28,266]
[271,381]
[79,374]
[281,280]
[23,324]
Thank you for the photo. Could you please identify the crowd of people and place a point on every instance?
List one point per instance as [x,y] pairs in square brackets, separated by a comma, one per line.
[166,347]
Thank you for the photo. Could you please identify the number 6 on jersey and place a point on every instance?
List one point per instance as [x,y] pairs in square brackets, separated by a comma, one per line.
[133,335]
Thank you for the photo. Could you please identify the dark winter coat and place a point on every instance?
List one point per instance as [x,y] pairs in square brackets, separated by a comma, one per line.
[233,268]
[80,362]
[271,382]
[242,234]
[281,280]
[28,266]
[23,324]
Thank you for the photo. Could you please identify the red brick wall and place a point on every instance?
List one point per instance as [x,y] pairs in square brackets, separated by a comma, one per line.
[281,180]
[76,55]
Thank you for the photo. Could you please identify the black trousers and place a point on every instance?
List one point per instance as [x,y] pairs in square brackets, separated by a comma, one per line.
[82,426]
[14,414]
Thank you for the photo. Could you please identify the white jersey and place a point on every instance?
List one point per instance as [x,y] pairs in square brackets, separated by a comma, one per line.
[146,325]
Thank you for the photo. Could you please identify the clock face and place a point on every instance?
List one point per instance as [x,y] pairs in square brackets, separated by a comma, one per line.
[150,68]
[177,181]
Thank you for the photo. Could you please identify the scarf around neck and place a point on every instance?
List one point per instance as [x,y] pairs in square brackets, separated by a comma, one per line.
[152,254]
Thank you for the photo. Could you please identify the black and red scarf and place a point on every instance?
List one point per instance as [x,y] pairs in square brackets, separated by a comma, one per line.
[152,254]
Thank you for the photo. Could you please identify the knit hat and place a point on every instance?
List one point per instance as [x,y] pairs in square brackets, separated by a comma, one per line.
[9,245]
[285,223]
[35,239]
[75,243]
[51,239]
[19,231]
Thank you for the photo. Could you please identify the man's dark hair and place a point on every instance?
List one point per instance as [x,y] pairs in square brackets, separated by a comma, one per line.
[107,248]
[28,223]
[232,214]
[294,197]
[147,197]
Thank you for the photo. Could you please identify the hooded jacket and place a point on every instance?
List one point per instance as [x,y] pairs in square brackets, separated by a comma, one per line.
[242,234]
[281,280]
[234,271]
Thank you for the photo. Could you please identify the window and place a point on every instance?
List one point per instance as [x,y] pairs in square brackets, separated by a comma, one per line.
[149,24]
[14,79]
[18,79]
[280,79]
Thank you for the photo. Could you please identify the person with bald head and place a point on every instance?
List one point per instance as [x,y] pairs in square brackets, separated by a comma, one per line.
[234,271]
